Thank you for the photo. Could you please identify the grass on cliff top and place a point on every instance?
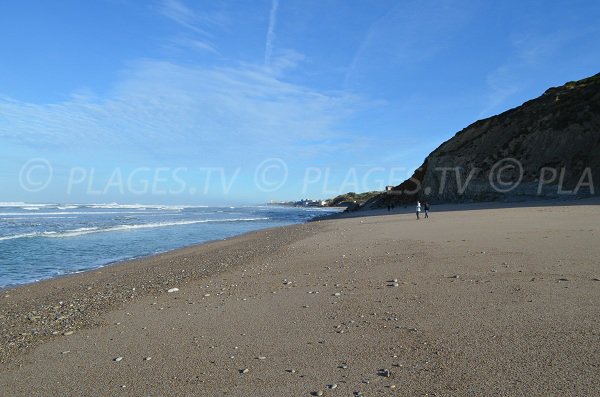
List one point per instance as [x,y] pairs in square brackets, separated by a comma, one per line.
[351,196]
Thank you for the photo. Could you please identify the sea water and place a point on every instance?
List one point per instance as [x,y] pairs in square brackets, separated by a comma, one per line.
[41,241]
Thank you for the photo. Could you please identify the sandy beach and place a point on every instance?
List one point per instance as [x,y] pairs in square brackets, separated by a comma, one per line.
[467,303]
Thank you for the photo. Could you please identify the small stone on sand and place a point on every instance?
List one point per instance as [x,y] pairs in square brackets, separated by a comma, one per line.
[173,290]
[385,373]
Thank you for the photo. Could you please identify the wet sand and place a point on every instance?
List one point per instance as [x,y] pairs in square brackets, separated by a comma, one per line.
[488,302]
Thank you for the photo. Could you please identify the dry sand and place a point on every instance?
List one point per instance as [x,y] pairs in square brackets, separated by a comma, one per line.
[486,302]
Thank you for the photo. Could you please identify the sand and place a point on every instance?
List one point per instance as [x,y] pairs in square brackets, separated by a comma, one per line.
[485,302]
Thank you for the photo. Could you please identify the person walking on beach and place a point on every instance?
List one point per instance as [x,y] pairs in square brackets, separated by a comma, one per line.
[418,209]
[426,206]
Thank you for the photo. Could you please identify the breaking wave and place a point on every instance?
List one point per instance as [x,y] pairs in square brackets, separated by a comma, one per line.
[120,228]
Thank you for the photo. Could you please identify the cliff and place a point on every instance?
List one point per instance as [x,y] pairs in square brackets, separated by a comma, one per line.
[548,147]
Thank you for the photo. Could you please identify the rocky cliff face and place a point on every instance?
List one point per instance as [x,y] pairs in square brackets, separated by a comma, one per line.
[547,147]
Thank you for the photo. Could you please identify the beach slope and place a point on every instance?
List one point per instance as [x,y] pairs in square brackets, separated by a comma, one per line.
[474,302]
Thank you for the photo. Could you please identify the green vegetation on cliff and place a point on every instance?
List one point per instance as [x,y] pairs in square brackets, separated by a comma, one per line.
[351,197]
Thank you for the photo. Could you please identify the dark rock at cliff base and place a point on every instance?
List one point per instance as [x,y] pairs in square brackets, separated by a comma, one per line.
[548,147]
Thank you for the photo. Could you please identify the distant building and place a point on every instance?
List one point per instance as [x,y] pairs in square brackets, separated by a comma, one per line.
[311,203]
[389,188]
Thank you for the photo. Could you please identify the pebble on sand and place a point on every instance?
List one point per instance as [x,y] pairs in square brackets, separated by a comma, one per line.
[386,373]
[118,359]
[244,371]
[173,290]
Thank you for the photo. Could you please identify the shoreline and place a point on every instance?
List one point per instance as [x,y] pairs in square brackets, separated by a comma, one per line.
[50,249]
[495,301]
[118,262]
[39,297]
[466,206]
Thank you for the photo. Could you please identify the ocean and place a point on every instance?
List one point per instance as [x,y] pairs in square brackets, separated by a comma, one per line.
[41,241]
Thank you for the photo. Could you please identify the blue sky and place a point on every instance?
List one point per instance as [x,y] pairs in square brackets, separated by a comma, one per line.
[213,102]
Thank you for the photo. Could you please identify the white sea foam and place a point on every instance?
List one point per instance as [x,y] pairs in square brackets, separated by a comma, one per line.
[89,230]
[11,203]
[29,218]
[68,213]
[17,204]
[16,236]
[143,207]
[66,206]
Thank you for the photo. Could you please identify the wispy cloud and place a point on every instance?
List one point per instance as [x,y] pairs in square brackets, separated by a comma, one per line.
[271,32]
[529,52]
[409,33]
[196,24]
[181,14]
[502,85]
[189,43]
[191,110]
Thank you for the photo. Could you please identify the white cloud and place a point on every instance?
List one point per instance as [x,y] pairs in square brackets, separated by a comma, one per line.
[192,109]
[187,44]
[197,24]
[271,32]
[530,52]
[409,33]
[503,84]
[181,14]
